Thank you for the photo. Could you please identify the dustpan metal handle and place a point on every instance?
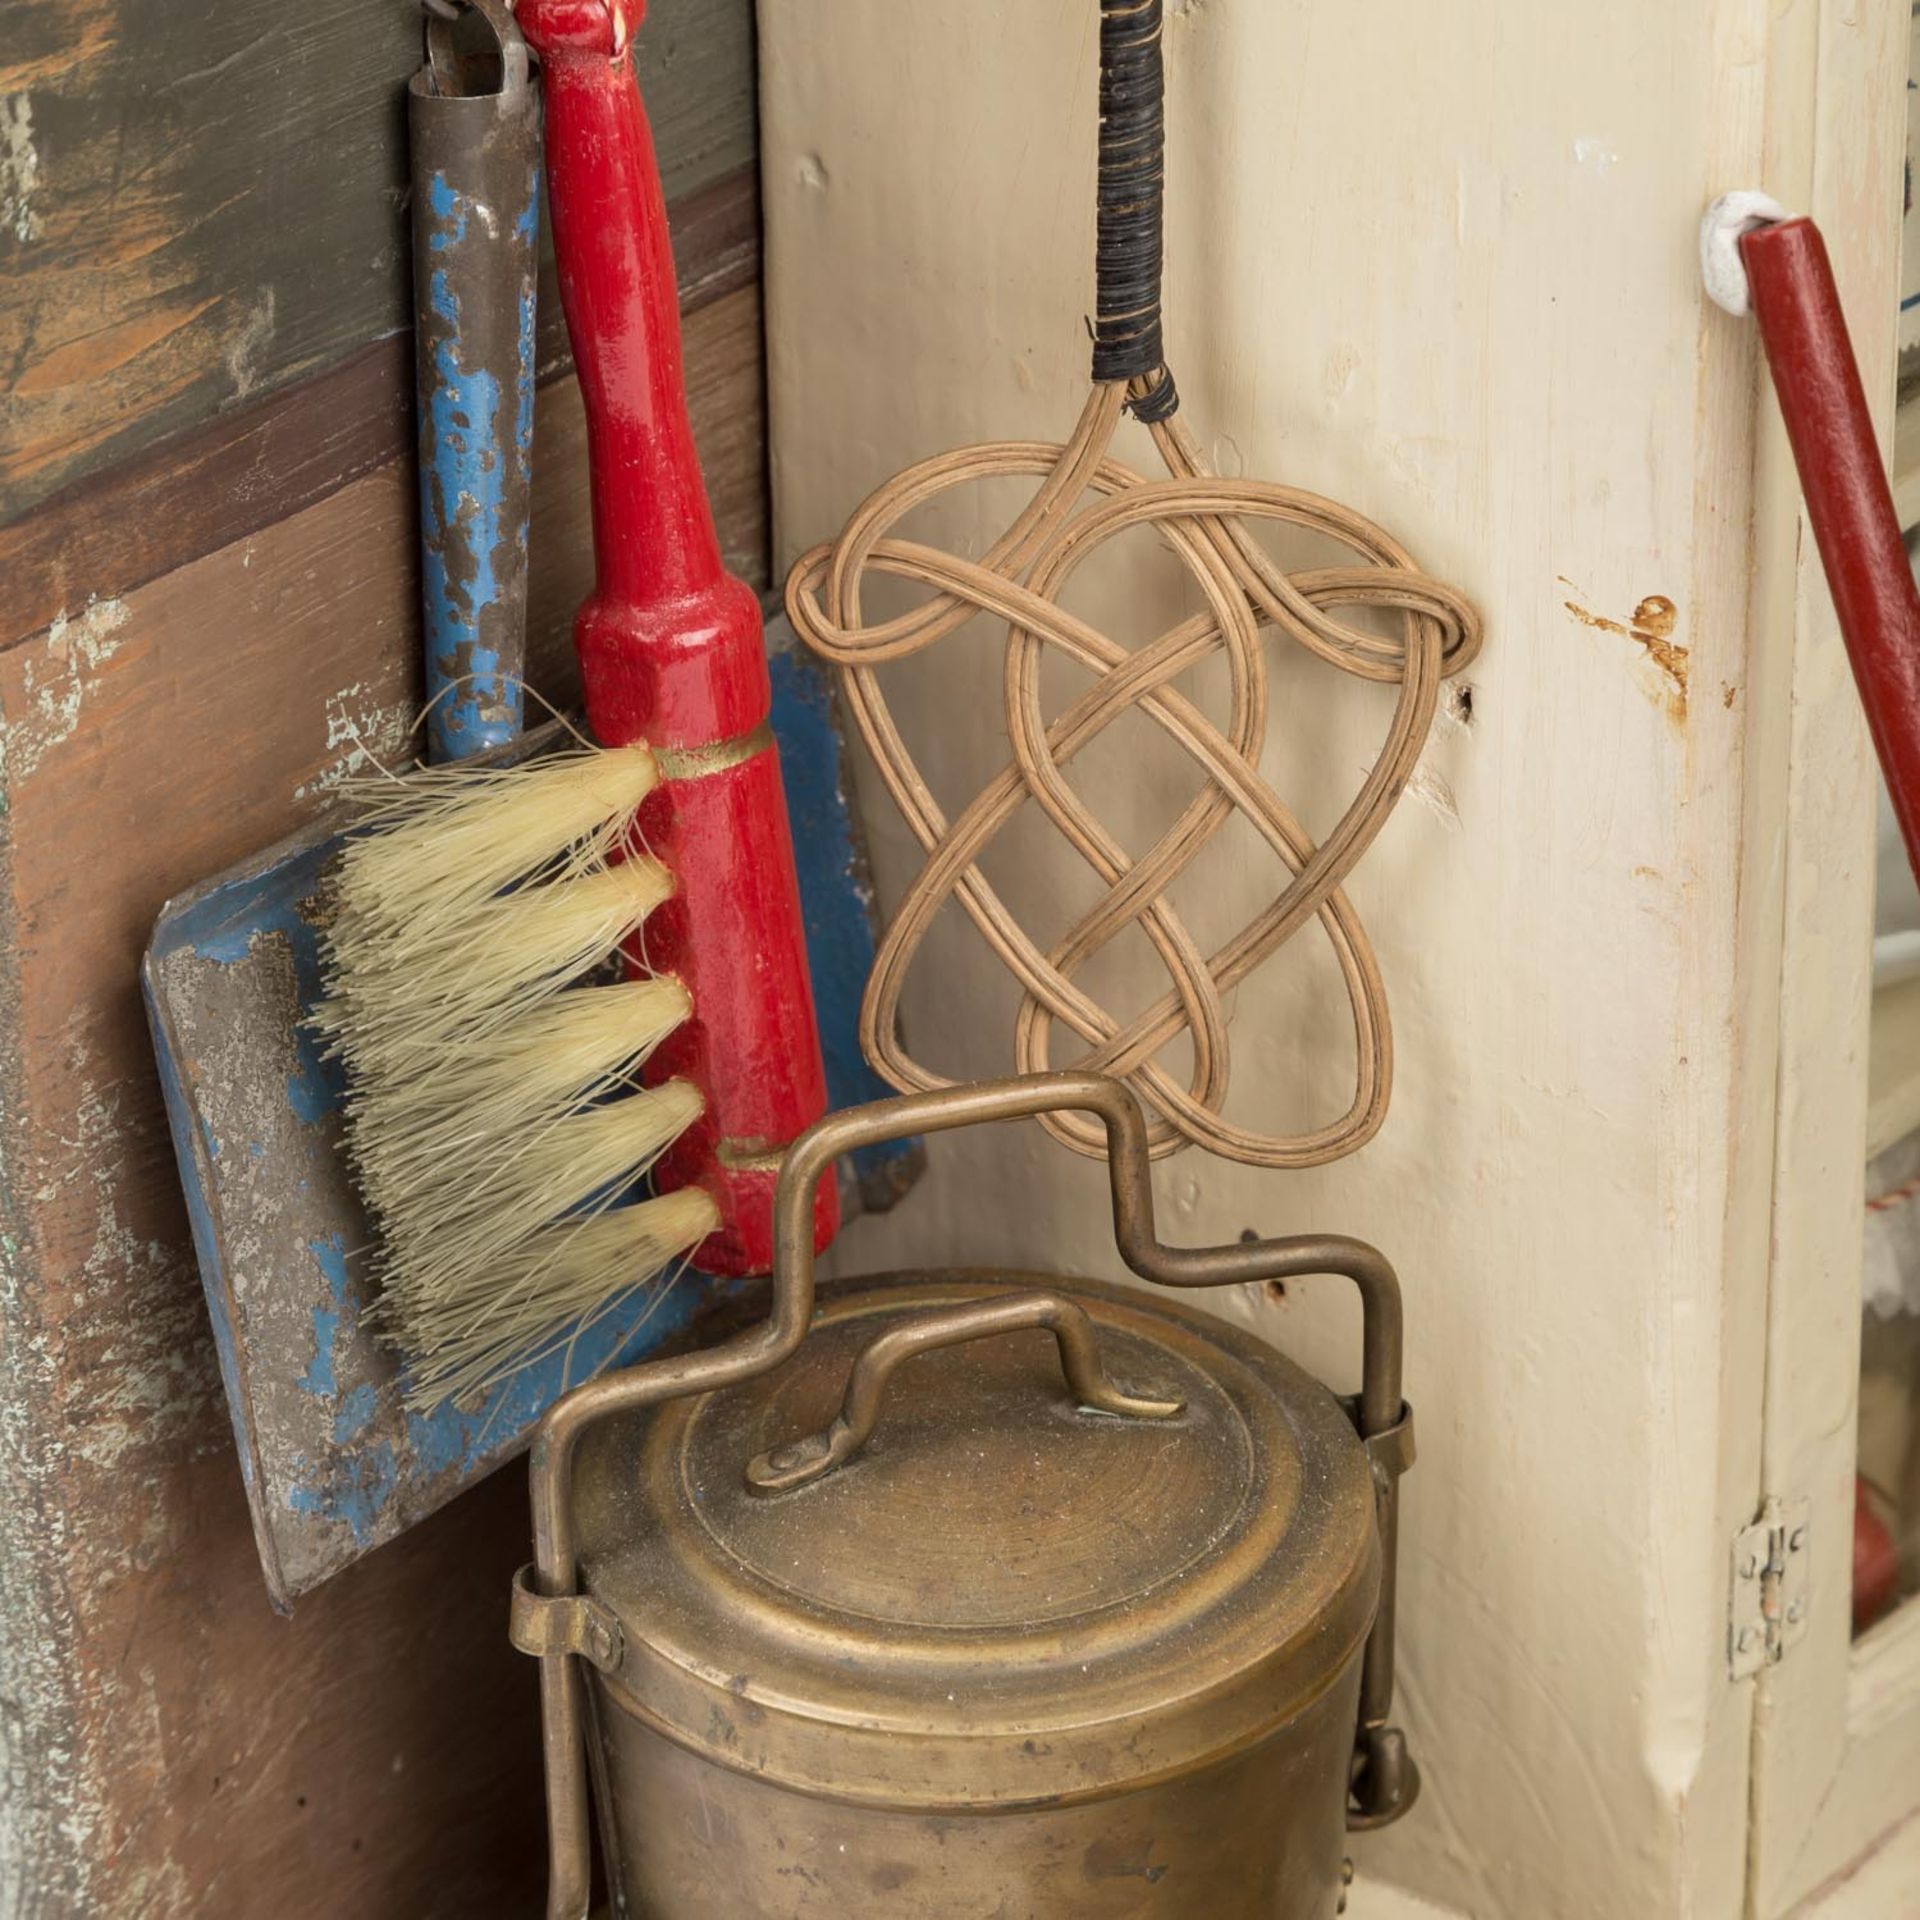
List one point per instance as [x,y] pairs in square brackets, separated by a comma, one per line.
[1381,1417]
[474,151]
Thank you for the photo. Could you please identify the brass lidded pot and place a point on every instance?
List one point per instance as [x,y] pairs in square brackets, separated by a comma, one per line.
[976,1594]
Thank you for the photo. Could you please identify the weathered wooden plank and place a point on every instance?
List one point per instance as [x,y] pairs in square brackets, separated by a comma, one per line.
[170,504]
[180,1750]
[201,204]
[245,468]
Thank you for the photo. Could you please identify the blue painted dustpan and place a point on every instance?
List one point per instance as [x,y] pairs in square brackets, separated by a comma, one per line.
[334,1462]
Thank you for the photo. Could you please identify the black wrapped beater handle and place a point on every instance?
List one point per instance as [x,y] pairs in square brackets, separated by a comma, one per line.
[1129,229]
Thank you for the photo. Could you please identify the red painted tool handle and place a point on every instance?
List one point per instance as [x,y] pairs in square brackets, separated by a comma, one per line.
[671,649]
[1848,498]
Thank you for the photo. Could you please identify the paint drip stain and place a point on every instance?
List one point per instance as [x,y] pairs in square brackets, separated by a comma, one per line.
[247,345]
[1651,628]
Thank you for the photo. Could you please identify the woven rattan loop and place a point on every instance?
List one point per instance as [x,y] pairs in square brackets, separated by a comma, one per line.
[1084,499]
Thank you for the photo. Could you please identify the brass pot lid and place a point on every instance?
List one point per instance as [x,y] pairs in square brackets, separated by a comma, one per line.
[1001,1598]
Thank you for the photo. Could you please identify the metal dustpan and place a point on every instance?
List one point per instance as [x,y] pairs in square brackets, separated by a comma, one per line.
[334,1462]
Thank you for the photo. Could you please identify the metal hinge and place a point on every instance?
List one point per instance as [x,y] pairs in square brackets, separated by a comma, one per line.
[1769,1611]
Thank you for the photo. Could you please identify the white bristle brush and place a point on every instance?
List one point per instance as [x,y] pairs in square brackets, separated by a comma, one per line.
[497,1126]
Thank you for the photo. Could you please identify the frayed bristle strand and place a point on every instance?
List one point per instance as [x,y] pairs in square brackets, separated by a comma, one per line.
[399,997]
[444,839]
[506,1189]
[536,1298]
[578,1047]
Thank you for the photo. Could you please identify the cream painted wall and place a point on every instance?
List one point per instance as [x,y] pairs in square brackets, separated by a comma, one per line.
[1437,262]
[1883,1886]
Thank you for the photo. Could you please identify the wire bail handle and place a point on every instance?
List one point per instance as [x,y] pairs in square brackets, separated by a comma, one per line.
[1384,1780]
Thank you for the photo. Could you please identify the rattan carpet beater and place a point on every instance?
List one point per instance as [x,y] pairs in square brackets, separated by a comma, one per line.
[1085,498]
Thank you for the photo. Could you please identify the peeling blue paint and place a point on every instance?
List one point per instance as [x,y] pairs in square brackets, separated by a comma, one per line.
[349,1465]
[355,1491]
[443,1439]
[475,468]
[354,1485]
[440,300]
[310,1096]
[318,1378]
[331,1256]
[450,210]
[226,923]
[355,1414]
[462,501]
[449,1441]
[523,390]
[381,1450]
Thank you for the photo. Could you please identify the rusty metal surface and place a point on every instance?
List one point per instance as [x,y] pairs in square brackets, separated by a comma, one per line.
[474,122]
[334,1463]
[811,1726]
[1257,1837]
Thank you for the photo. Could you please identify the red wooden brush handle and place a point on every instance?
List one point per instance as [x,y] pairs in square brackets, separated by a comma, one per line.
[1848,499]
[671,650]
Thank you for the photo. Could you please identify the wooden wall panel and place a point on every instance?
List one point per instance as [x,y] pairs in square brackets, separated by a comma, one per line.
[110,532]
[178,1749]
[200,204]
